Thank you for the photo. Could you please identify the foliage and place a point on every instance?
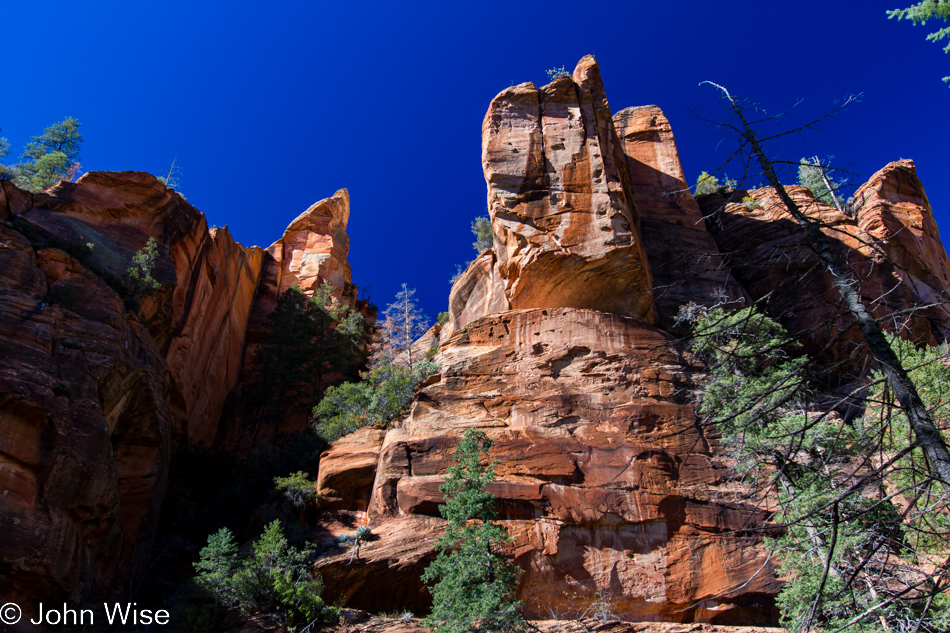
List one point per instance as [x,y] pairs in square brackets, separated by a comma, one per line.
[813,176]
[309,343]
[475,584]
[382,394]
[750,203]
[481,228]
[403,323]
[554,73]
[707,183]
[48,158]
[143,265]
[271,578]
[929,368]
[217,565]
[442,318]
[5,172]
[848,546]
[297,488]
[921,12]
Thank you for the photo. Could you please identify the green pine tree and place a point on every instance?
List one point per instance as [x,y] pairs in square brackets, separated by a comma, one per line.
[48,157]
[474,590]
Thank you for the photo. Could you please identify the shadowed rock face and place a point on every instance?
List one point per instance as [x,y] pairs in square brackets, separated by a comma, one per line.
[892,245]
[84,430]
[94,399]
[566,231]
[683,255]
[606,481]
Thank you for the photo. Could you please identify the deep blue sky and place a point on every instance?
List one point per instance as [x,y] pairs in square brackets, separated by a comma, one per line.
[270,106]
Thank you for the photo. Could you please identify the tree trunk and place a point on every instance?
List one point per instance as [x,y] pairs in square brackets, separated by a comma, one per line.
[927,434]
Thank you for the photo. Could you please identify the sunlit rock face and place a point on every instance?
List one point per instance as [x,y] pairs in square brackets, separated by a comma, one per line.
[199,316]
[606,480]
[566,230]
[891,244]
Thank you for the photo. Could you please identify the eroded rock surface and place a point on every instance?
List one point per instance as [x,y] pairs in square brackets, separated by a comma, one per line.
[84,430]
[566,230]
[892,246]
[606,481]
[683,255]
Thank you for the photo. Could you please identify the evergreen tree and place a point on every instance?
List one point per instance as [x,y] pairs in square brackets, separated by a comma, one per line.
[481,228]
[921,12]
[309,342]
[48,157]
[404,323]
[814,177]
[475,584]
[271,578]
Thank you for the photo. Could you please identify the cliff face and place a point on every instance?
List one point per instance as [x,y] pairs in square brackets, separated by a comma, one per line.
[607,481]
[558,346]
[892,244]
[94,398]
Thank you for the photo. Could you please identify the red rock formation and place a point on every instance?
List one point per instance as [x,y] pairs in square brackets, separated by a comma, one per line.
[893,247]
[683,255]
[84,430]
[93,398]
[606,481]
[198,319]
[566,231]
[893,208]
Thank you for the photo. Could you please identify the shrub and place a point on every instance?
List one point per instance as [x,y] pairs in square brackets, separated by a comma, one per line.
[442,318]
[707,183]
[382,394]
[143,265]
[297,488]
[475,584]
[271,578]
[554,73]
[481,228]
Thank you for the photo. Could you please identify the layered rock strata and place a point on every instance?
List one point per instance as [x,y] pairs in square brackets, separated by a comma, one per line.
[685,260]
[606,481]
[892,245]
[566,230]
[97,391]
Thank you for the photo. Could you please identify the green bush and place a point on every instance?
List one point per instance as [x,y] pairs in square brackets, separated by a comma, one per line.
[383,393]
[442,318]
[143,265]
[49,157]
[707,183]
[271,578]
[475,584]
[298,489]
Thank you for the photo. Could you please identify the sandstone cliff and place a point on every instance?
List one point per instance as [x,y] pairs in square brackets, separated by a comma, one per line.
[94,396]
[892,244]
[607,482]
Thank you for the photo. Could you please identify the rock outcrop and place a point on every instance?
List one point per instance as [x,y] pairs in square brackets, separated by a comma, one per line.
[606,480]
[85,431]
[566,229]
[892,245]
[100,385]
[685,260]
